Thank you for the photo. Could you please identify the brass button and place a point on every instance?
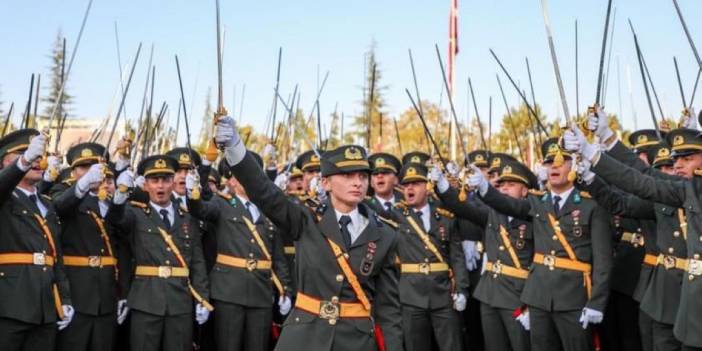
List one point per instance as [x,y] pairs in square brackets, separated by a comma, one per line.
[297,319]
[671,250]
[339,278]
[555,237]
[553,252]
[696,256]
[149,230]
[43,251]
[2,274]
[168,249]
[253,241]
[102,250]
[168,262]
[691,277]
[502,248]
[332,322]
[335,299]
[24,212]
[346,256]
[44,269]
[187,236]
[676,233]
[426,248]
[426,260]
[251,255]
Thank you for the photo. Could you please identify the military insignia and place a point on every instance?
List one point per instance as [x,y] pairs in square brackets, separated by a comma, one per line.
[160,163]
[184,158]
[380,162]
[415,159]
[678,140]
[442,233]
[642,139]
[185,227]
[86,153]
[507,170]
[367,263]
[553,148]
[577,229]
[411,171]
[353,153]
[520,244]
[496,162]
[577,199]
[663,152]
[479,158]
[314,158]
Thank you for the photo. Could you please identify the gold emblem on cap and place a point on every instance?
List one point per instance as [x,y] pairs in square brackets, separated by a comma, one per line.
[663,152]
[86,153]
[353,153]
[678,140]
[553,148]
[479,158]
[507,170]
[314,158]
[411,172]
[496,162]
[380,162]
[416,159]
[184,158]
[641,139]
[160,163]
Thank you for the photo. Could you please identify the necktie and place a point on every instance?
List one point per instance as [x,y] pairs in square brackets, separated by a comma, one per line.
[344,223]
[35,206]
[388,205]
[556,204]
[250,210]
[424,225]
[164,216]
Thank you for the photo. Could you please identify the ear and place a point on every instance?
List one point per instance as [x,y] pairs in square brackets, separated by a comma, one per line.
[326,184]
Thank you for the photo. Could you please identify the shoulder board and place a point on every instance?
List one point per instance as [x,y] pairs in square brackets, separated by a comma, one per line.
[401,205]
[444,212]
[537,192]
[585,195]
[388,222]
[139,204]
[225,195]
[69,181]
[182,209]
[46,197]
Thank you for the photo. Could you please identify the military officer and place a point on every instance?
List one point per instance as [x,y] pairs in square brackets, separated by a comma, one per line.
[187,160]
[308,163]
[170,268]
[496,161]
[347,277]
[88,246]
[385,169]
[434,280]
[509,248]
[568,283]
[33,285]
[250,268]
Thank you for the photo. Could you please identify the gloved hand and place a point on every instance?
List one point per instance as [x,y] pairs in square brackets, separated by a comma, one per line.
[541,173]
[201,314]
[284,305]
[598,122]
[53,169]
[585,173]
[478,181]
[94,176]
[316,185]
[459,302]
[452,169]
[689,120]
[192,182]
[139,182]
[122,311]
[36,148]
[437,176]
[125,180]
[225,132]
[281,180]
[575,141]
[67,317]
[268,152]
[122,159]
[590,316]
[523,319]
[471,254]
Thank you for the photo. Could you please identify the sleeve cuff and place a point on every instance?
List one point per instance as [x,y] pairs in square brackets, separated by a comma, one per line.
[21,166]
[235,154]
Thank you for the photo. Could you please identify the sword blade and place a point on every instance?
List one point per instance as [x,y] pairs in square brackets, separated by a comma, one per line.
[554,60]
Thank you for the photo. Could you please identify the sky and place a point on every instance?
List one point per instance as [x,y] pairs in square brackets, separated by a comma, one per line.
[320,36]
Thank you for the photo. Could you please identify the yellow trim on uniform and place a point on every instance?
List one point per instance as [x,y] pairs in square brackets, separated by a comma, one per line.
[37,258]
[687,147]
[309,165]
[289,250]
[159,170]
[650,260]
[636,239]
[499,268]
[81,159]
[424,268]
[17,148]
[648,143]
[249,264]
[331,310]
[352,163]
[89,261]
[693,267]
[518,178]
[670,262]
[415,178]
[162,271]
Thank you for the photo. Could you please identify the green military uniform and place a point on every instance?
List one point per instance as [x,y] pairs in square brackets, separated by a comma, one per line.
[242,281]
[33,284]
[509,245]
[384,163]
[160,297]
[432,267]
[89,257]
[497,161]
[328,314]
[673,194]
[560,286]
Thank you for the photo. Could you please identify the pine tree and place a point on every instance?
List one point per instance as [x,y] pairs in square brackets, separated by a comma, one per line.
[58,71]
[370,122]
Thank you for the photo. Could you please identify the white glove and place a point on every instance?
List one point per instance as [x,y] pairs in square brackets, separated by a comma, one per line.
[268,152]
[436,176]
[316,185]
[36,148]
[597,121]
[122,311]
[523,319]
[125,179]
[690,120]
[53,169]
[585,173]
[485,260]
[541,173]
[452,169]
[67,317]
[477,180]
[225,132]
[94,175]
[281,180]
[471,254]
[575,141]
[284,305]
[201,314]
[459,302]
[139,182]
[192,182]
[590,316]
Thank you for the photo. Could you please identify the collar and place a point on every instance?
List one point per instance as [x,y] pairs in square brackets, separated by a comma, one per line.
[564,195]
[354,214]
[425,210]
[243,200]
[27,192]
[158,208]
[382,201]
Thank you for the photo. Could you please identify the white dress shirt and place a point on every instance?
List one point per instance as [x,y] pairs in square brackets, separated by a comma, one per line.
[169,208]
[253,210]
[426,217]
[41,206]
[564,196]
[382,201]
[357,225]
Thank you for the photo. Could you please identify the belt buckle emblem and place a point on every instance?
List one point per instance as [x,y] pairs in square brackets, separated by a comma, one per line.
[638,240]
[424,268]
[549,261]
[39,259]
[329,310]
[251,264]
[669,262]
[94,261]
[164,271]
[695,267]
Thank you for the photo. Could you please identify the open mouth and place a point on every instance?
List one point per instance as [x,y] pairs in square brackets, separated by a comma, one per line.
[160,193]
[410,196]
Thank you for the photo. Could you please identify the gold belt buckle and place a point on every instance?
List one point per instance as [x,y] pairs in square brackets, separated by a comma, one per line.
[39,259]
[94,261]
[549,261]
[669,262]
[164,271]
[424,268]
[694,267]
[638,240]
[329,310]
[251,264]
[497,267]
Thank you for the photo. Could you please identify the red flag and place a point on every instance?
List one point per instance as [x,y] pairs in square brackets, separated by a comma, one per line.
[453,40]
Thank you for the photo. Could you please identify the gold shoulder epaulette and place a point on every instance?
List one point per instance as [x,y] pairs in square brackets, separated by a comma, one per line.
[585,194]
[139,204]
[388,222]
[537,192]
[224,195]
[401,205]
[69,181]
[444,212]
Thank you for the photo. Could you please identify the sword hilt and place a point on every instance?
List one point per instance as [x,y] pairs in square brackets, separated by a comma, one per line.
[213,148]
